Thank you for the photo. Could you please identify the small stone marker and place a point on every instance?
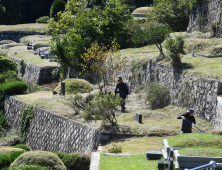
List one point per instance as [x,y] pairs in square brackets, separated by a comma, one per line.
[139,117]
[63,88]
[162,165]
[42,56]
[51,60]
[153,155]
[54,92]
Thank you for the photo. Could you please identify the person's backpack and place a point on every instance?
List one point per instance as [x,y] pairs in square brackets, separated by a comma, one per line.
[127,88]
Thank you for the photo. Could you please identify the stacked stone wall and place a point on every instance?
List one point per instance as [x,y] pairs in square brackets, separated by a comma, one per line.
[35,74]
[16,35]
[207,18]
[186,90]
[53,132]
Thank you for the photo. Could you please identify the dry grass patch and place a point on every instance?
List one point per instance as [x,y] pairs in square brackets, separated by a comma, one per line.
[42,158]
[25,27]
[9,150]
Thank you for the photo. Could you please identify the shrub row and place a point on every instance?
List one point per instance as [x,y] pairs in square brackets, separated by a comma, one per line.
[22,146]
[15,87]
[7,159]
[74,161]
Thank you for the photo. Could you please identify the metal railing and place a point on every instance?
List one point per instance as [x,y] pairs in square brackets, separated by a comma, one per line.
[212,165]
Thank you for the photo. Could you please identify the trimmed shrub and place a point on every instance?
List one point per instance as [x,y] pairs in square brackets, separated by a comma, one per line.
[14,87]
[41,158]
[22,146]
[57,6]
[43,19]
[73,86]
[28,167]
[74,161]
[7,159]
[157,96]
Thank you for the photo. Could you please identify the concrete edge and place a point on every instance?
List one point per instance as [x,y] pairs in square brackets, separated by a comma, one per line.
[94,163]
[209,56]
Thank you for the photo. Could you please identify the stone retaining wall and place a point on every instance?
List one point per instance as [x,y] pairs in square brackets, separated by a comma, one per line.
[35,74]
[218,118]
[53,132]
[186,90]
[16,35]
[210,13]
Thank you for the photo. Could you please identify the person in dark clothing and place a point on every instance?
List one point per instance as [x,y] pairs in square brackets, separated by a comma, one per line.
[122,90]
[186,126]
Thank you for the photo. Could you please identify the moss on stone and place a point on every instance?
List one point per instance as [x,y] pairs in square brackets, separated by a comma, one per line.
[9,150]
[76,86]
[42,158]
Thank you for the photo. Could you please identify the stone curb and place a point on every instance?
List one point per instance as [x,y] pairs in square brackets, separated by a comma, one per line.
[94,164]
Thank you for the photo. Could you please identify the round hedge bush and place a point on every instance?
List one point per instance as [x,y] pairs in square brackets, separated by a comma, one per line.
[57,6]
[73,86]
[41,158]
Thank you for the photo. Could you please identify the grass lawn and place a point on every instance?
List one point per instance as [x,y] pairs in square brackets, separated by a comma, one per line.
[134,162]
[25,27]
[196,140]
[205,152]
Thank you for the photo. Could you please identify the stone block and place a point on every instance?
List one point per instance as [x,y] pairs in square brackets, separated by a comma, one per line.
[139,117]
[42,56]
[29,47]
[153,155]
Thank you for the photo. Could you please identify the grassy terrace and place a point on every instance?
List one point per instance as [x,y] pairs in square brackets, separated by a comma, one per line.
[25,27]
[28,55]
[198,144]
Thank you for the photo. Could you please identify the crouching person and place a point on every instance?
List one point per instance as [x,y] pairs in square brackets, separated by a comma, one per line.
[188,120]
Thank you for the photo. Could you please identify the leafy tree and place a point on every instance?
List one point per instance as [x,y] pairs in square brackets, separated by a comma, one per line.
[100,3]
[12,14]
[7,65]
[102,63]
[57,6]
[103,26]
[175,46]
[154,35]
[174,13]
[2,9]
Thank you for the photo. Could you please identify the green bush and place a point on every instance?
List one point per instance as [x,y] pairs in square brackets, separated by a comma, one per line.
[7,159]
[43,19]
[15,87]
[115,149]
[9,76]
[22,146]
[41,158]
[103,107]
[74,161]
[3,120]
[175,47]
[157,96]
[7,64]
[79,102]
[57,6]
[25,119]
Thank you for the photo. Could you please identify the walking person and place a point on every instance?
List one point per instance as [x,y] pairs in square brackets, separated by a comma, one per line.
[186,126]
[122,90]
